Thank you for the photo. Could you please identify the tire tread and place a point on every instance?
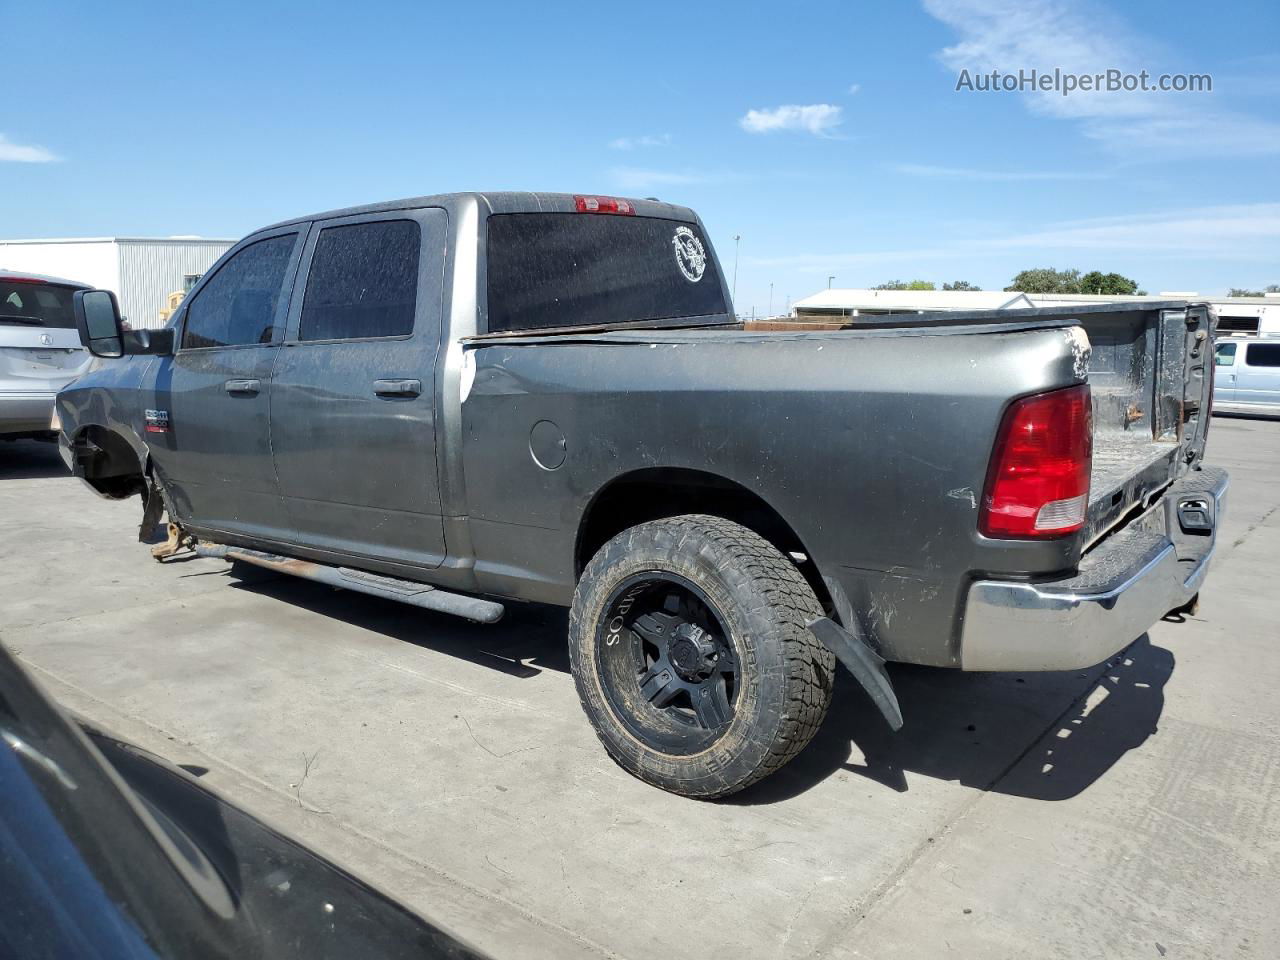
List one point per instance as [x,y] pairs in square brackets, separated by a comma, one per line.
[810,665]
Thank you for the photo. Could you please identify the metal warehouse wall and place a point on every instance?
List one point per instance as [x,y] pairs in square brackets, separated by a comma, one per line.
[152,269]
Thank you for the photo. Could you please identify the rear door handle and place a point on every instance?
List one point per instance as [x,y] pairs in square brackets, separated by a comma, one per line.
[242,386]
[397,388]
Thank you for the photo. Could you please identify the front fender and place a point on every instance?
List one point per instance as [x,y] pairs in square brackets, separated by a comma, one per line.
[100,439]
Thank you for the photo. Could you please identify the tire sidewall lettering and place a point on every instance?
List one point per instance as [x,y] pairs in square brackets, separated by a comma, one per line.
[614,628]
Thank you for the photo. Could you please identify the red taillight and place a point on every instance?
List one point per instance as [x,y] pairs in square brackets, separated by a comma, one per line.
[605,205]
[1038,481]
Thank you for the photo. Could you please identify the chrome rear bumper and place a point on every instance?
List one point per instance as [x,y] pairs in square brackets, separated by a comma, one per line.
[1124,586]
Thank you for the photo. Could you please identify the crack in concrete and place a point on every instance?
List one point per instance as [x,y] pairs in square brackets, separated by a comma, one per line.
[1252,527]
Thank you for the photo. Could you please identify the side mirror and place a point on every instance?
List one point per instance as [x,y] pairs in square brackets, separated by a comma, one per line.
[102,328]
[98,320]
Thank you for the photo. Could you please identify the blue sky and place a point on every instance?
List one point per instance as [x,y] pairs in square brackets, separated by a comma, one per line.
[828,135]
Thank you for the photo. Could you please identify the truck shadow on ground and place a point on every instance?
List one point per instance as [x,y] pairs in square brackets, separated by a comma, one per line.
[1044,736]
[529,639]
[30,460]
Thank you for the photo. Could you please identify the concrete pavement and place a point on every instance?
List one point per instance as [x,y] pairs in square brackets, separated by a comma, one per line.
[1128,810]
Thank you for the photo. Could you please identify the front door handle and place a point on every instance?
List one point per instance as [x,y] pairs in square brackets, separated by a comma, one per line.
[397,388]
[242,386]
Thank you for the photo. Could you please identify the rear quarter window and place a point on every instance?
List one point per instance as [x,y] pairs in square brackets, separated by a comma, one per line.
[1262,355]
[572,269]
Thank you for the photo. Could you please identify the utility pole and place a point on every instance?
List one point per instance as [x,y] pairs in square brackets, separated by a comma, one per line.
[734,295]
[771,299]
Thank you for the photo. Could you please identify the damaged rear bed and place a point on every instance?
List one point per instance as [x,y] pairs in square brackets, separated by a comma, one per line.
[1149,375]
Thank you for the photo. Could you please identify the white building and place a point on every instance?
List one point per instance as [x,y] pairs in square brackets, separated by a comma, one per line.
[1236,315]
[141,271]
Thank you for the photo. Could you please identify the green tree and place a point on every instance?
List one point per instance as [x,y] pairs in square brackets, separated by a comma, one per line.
[906,285]
[1273,288]
[1112,284]
[1046,280]
[1242,292]
[960,285]
[1049,280]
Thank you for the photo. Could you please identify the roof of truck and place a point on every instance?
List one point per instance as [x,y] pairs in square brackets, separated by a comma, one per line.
[501,201]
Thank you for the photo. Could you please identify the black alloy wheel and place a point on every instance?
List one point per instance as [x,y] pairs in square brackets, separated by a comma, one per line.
[667,662]
[691,654]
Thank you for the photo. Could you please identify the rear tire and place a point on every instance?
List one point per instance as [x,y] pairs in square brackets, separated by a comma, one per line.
[691,655]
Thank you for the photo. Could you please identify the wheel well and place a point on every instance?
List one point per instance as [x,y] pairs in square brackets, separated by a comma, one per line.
[669,492]
[109,463]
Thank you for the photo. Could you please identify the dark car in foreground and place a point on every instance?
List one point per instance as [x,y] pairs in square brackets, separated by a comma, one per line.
[107,851]
[40,352]
[465,400]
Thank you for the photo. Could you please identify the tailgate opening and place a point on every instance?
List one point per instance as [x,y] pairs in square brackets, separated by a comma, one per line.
[1150,406]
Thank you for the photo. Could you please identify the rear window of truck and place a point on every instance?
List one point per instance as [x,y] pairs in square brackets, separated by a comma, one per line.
[574,269]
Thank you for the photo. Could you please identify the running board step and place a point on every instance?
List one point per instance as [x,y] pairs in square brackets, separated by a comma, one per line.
[389,588]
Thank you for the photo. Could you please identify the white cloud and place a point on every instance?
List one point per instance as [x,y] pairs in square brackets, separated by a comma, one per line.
[1234,233]
[994,176]
[816,118]
[854,88]
[1009,35]
[821,262]
[1013,35]
[1237,231]
[24,153]
[631,143]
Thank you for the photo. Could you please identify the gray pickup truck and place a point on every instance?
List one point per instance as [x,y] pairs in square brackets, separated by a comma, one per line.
[465,400]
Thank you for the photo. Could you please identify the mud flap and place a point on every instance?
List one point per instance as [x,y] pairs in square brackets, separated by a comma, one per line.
[151,510]
[864,663]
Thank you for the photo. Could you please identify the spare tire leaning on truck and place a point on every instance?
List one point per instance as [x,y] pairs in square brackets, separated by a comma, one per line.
[692,658]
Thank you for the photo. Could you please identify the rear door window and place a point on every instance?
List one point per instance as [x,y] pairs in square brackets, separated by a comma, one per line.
[1262,355]
[363,282]
[238,304]
[573,269]
[36,304]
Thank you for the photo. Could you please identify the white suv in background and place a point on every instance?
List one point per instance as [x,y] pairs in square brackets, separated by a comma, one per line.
[1246,376]
[40,352]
